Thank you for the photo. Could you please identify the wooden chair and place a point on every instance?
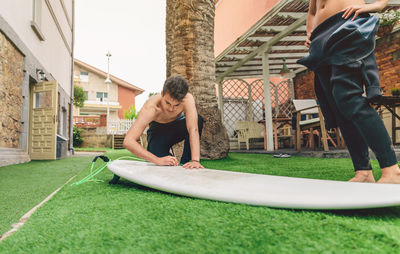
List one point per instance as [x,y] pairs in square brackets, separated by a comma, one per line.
[247,130]
[309,107]
[284,134]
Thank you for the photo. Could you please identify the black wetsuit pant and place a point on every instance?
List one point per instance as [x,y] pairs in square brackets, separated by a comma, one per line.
[360,124]
[161,137]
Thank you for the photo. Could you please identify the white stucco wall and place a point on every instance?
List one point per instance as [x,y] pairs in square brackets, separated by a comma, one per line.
[54,54]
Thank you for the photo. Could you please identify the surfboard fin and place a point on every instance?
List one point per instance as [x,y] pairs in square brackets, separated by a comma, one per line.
[114,180]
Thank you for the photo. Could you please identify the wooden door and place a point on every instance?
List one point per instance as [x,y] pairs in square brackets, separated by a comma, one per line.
[43,121]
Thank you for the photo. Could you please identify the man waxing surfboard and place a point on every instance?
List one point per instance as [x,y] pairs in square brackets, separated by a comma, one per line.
[341,38]
[172,117]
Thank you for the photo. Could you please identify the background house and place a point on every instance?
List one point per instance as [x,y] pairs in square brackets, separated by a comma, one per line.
[121,93]
[36,49]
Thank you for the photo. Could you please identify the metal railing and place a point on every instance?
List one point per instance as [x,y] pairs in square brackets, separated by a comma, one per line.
[119,127]
[86,121]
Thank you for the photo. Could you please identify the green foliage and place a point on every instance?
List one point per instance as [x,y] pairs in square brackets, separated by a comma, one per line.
[79,96]
[77,138]
[395,91]
[130,113]
[152,93]
[389,18]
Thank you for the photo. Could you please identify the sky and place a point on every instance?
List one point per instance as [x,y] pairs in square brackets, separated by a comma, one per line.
[134,33]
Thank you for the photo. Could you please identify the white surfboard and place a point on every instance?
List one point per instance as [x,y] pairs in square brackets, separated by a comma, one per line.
[258,189]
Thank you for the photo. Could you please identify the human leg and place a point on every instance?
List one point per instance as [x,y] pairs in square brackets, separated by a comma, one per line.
[357,146]
[347,91]
[159,139]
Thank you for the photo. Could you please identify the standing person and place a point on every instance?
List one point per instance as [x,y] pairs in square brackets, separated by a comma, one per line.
[172,117]
[341,38]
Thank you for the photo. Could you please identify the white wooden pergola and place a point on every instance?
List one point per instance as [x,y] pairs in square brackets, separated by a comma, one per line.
[280,33]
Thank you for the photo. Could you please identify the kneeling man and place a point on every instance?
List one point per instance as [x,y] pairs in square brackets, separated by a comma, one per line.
[172,117]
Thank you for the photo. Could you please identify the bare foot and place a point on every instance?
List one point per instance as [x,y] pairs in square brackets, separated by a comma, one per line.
[363,176]
[390,175]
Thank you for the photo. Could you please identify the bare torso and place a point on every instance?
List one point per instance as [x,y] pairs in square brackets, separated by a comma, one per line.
[162,115]
[327,8]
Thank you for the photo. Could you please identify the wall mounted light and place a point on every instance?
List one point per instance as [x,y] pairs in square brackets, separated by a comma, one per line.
[285,70]
[41,75]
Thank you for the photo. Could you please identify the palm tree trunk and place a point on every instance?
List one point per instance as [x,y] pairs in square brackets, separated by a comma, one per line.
[190,53]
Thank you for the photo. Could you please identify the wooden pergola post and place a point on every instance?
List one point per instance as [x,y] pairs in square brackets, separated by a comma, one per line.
[267,100]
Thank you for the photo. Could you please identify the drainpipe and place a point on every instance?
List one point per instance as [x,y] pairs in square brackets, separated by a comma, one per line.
[71,146]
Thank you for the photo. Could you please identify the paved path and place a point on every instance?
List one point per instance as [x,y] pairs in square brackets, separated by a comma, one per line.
[88,153]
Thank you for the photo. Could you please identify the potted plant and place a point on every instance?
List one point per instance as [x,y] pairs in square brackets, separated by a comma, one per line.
[396,90]
[387,20]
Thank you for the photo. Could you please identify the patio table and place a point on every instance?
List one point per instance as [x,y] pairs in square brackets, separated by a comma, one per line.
[390,103]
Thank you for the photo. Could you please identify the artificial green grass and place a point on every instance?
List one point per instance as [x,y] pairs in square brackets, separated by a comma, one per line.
[23,186]
[127,218]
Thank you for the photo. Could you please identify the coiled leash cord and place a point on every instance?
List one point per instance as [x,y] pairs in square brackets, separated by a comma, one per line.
[95,171]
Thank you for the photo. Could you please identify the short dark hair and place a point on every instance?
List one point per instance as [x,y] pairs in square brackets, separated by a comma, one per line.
[176,86]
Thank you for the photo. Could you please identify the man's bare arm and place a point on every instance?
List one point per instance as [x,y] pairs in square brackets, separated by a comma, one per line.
[145,116]
[193,130]
[363,8]
[310,21]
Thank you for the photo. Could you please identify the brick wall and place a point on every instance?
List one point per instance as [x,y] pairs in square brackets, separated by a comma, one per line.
[11,77]
[388,58]
[304,85]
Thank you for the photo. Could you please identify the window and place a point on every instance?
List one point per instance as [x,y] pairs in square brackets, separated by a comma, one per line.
[36,23]
[62,122]
[100,96]
[87,95]
[84,76]
[43,99]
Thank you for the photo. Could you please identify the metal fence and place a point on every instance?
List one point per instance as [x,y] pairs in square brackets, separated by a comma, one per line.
[119,127]
[243,101]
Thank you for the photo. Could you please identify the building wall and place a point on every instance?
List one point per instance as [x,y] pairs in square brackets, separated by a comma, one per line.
[388,57]
[96,84]
[51,53]
[304,85]
[11,77]
[234,18]
[126,98]
[55,51]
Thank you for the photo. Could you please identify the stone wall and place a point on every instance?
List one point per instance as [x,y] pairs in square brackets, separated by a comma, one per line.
[93,138]
[11,78]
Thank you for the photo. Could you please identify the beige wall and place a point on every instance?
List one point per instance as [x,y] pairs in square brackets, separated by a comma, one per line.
[96,84]
[235,17]
[55,51]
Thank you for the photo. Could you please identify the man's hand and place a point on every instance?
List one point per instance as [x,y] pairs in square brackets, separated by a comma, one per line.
[362,8]
[192,165]
[167,161]
[308,42]
[356,9]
